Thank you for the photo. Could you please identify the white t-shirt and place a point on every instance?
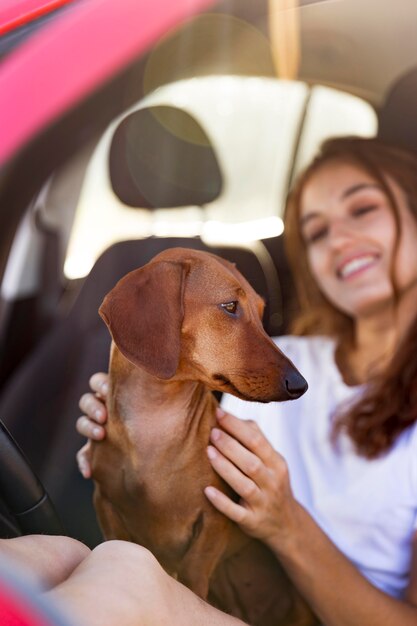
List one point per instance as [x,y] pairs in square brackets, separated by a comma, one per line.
[367,507]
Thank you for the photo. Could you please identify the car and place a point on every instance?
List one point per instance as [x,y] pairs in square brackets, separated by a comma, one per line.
[129,127]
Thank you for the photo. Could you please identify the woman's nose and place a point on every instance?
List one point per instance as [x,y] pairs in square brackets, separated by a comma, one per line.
[340,233]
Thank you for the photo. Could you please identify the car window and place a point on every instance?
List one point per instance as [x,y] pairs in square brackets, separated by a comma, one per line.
[210,156]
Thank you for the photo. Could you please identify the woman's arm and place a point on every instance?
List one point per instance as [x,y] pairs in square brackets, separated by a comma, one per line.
[333,587]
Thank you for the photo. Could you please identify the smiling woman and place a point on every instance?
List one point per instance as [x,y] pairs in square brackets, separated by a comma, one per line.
[352,228]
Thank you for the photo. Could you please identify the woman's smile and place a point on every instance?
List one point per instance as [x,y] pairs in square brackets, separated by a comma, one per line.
[356,265]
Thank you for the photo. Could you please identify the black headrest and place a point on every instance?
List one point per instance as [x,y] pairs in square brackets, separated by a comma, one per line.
[161,157]
[398,114]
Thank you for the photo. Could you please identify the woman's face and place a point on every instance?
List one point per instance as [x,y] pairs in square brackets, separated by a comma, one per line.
[349,231]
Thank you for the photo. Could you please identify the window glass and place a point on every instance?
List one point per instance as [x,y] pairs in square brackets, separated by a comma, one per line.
[223,151]
[331,113]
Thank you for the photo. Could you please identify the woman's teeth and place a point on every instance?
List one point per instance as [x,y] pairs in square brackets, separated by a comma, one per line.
[351,267]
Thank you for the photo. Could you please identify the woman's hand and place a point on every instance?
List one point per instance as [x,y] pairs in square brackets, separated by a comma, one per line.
[245,459]
[92,423]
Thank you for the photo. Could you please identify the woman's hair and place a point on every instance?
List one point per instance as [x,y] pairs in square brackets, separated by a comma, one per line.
[389,404]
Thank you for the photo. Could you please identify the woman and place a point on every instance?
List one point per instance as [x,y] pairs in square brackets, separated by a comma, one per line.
[331,485]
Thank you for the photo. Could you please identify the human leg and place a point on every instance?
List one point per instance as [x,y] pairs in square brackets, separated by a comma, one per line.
[48,560]
[122,583]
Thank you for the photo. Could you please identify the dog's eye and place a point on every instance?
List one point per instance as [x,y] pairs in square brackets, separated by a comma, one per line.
[230,307]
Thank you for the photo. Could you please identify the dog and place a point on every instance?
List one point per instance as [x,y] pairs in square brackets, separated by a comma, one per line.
[184,325]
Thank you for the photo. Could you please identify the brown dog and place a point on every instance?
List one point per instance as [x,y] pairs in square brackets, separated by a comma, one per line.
[185,324]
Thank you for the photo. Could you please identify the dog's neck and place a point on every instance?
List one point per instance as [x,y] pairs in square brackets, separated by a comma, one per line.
[136,394]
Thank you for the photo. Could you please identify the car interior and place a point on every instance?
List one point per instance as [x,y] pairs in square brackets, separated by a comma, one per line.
[194,144]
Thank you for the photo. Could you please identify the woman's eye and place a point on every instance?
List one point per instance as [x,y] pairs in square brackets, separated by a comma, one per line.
[230,307]
[363,210]
[316,235]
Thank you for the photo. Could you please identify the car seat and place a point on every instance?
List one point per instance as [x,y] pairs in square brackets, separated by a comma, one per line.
[396,116]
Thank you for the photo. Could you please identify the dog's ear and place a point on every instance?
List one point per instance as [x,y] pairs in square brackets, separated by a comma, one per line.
[144,313]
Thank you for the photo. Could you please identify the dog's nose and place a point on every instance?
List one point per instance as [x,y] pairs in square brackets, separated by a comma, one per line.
[296,385]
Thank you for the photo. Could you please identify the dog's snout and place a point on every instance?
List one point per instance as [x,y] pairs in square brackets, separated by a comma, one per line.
[296,384]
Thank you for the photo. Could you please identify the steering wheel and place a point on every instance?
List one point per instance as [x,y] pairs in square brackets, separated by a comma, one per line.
[29,508]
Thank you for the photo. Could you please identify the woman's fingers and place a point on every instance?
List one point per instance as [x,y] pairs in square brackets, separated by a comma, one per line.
[244,486]
[225,505]
[93,407]
[99,382]
[248,434]
[90,429]
[240,458]
[84,461]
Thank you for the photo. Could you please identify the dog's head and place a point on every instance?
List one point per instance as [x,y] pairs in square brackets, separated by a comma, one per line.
[192,315]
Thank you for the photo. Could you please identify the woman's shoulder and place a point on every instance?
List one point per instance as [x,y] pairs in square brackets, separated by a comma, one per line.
[314,351]
[311,341]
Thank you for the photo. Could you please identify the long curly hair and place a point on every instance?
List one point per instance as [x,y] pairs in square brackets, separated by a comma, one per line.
[389,404]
